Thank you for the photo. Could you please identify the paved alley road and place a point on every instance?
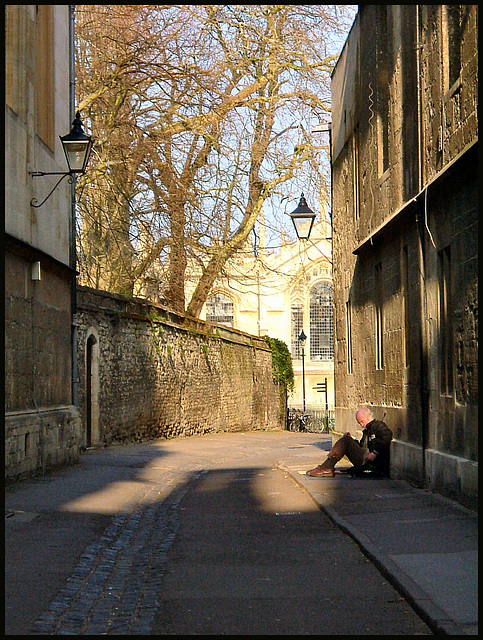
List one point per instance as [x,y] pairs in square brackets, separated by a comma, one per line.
[254,555]
[202,535]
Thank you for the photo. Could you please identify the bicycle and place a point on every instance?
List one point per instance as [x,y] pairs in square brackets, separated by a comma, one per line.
[298,421]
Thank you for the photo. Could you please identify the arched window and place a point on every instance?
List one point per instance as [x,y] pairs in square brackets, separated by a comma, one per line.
[296,328]
[321,322]
[219,308]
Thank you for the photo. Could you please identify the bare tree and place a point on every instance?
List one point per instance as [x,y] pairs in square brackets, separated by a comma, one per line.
[199,115]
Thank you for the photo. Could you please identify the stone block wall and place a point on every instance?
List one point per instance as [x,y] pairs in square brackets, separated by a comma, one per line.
[40,440]
[42,426]
[37,335]
[145,372]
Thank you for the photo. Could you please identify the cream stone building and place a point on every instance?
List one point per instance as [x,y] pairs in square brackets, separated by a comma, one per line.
[42,424]
[279,293]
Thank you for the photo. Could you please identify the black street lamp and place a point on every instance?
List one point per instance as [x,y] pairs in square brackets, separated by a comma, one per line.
[77,148]
[302,338]
[303,219]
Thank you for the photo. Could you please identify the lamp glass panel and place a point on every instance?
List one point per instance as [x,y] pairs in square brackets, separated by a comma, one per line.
[77,154]
[303,226]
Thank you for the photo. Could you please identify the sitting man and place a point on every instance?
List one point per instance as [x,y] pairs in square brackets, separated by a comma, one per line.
[370,453]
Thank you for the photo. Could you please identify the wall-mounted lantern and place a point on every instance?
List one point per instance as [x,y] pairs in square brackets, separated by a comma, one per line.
[77,148]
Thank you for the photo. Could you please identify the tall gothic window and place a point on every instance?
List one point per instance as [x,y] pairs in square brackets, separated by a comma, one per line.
[356,172]
[321,322]
[297,326]
[379,319]
[348,337]
[455,17]
[382,91]
[445,325]
[44,73]
[219,308]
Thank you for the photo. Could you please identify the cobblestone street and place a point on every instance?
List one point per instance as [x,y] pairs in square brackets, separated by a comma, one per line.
[115,587]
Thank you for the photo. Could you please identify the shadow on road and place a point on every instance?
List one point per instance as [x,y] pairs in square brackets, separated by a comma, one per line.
[198,535]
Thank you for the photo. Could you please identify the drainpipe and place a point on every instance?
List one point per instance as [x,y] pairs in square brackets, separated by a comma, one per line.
[72,247]
[424,341]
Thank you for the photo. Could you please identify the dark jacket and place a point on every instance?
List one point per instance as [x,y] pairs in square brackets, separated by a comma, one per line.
[377,437]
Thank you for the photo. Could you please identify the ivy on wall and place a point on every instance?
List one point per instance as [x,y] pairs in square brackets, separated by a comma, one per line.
[282,370]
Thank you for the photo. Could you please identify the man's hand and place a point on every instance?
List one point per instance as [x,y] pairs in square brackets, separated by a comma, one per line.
[371,457]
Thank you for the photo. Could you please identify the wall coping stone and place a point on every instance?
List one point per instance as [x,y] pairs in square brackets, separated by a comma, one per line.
[89,299]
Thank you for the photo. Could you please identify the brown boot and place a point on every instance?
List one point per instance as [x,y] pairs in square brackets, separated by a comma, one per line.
[324,470]
[321,472]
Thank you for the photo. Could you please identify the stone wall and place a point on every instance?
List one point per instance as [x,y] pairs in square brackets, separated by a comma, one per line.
[37,333]
[145,372]
[37,441]
[42,427]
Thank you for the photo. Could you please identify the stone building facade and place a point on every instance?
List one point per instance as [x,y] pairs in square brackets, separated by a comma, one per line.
[146,372]
[404,153]
[42,425]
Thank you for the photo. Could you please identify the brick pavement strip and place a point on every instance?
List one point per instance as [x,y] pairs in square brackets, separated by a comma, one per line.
[113,589]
